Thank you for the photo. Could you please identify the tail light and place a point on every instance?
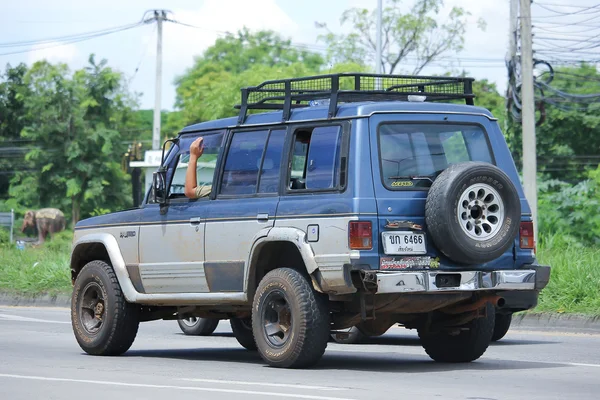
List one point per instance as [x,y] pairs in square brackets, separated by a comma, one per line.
[361,235]
[526,238]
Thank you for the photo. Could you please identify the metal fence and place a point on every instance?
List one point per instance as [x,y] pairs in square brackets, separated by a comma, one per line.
[8,219]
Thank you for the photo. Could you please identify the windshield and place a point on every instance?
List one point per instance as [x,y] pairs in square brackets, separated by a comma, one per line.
[412,155]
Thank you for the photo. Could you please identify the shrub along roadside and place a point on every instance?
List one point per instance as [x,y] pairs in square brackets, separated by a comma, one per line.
[574,285]
[37,270]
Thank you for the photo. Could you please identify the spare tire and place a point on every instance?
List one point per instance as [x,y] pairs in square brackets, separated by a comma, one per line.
[473,212]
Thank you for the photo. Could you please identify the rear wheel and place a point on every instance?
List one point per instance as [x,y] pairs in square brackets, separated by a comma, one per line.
[464,344]
[290,320]
[195,326]
[242,330]
[104,322]
[502,326]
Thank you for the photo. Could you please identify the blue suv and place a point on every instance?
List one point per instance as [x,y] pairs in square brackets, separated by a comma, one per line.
[359,201]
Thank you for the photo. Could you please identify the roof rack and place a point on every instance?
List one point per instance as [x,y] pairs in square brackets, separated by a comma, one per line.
[286,94]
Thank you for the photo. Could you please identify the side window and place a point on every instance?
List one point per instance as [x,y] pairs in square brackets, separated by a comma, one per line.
[316,158]
[240,174]
[205,168]
[269,176]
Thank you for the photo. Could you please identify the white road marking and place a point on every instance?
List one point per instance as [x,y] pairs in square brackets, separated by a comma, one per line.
[571,364]
[193,388]
[227,382]
[8,317]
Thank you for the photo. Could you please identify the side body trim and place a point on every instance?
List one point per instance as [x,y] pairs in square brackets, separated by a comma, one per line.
[133,296]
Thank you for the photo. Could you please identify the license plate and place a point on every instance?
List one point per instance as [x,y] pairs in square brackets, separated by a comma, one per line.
[404,243]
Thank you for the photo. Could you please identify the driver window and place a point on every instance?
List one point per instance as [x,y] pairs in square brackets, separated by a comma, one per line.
[205,168]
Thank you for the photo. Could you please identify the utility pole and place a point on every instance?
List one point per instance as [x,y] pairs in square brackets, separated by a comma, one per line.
[378,44]
[159,16]
[528,112]
[512,34]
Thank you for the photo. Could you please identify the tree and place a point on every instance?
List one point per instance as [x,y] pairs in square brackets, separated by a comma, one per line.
[487,96]
[12,121]
[412,38]
[568,140]
[202,92]
[74,121]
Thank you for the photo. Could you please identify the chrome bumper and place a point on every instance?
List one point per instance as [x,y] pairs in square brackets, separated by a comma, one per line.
[443,281]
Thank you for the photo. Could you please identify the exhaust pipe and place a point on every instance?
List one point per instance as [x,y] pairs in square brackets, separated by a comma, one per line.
[496,301]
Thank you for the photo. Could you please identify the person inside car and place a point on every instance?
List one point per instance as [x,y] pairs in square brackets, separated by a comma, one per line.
[192,190]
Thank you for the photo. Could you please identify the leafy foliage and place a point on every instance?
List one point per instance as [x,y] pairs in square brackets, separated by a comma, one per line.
[206,91]
[571,210]
[415,37]
[574,285]
[74,120]
[12,121]
[568,141]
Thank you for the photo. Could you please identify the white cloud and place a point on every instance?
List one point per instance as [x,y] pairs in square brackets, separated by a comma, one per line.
[53,52]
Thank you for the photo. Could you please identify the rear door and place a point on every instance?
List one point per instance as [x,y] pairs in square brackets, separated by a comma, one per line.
[408,152]
[246,202]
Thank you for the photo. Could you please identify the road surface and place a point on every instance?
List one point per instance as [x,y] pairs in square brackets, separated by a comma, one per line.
[40,359]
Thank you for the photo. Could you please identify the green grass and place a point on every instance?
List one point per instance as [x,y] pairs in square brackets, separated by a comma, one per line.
[44,269]
[574,285]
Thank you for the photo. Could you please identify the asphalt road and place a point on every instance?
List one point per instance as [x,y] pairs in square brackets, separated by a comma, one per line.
[40,359]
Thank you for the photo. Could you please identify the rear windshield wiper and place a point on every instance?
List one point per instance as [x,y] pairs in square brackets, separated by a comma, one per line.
[413,178]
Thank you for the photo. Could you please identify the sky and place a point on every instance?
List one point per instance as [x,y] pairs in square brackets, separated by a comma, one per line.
[133,51]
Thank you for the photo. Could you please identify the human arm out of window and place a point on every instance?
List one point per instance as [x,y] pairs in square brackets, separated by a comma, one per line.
[191,183]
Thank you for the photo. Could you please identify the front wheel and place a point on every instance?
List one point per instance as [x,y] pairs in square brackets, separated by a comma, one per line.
[502,326]
[290,320]
[104,323]
[195,326]
[465,344]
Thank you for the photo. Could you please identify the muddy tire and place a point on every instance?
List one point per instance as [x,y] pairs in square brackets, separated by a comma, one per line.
[290,320]
[242,330]
[104,323]
[473,212]
[195,326]
[462,346]
[502,326]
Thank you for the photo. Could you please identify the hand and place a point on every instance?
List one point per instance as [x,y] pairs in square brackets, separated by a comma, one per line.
[197,148]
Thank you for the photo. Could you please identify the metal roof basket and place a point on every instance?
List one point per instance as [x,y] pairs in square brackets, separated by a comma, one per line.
[286,94]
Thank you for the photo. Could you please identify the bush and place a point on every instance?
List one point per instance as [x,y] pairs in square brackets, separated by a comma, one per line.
[34,270]
[40,269]
[4,235]
[574,285]
[571,210]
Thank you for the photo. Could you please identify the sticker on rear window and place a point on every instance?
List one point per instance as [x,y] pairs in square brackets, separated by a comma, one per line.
[402,184]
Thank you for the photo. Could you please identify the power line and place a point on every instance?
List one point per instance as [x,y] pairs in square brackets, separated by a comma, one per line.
[22,43]
[74,40]
[583,10]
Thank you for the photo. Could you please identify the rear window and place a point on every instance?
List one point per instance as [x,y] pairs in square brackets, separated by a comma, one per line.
[412,155]
[316,158]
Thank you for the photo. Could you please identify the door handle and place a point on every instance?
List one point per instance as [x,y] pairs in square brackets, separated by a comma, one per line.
[195,221]
[262,217]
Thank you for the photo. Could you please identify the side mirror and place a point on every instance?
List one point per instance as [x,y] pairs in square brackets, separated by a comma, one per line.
[159,187]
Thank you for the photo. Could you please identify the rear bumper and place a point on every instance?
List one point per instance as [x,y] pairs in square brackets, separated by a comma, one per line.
[534,278]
